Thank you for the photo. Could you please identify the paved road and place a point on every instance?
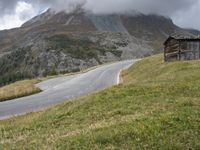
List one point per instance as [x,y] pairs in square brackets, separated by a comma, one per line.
[61,89]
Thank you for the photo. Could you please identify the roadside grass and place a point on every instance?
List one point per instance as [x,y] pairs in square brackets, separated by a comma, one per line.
[156,107]
[27,87]
[18,89]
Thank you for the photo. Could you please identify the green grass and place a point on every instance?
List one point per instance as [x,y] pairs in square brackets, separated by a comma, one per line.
[18,89]
[80,48]
[156,107]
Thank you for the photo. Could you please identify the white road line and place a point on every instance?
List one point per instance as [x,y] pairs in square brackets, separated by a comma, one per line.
[118,77]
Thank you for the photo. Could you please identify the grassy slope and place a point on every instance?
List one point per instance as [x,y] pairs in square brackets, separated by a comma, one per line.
[157,107]
[18,89]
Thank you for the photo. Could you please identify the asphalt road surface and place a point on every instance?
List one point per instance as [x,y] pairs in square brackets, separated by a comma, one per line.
[64,88]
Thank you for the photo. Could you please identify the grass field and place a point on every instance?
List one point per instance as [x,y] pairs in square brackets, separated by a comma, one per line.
[156,107]
[18,89]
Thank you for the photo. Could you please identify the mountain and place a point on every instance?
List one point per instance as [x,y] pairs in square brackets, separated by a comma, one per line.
[53,43]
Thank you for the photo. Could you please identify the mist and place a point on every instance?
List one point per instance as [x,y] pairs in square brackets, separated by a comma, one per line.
[161,7]
[182,11]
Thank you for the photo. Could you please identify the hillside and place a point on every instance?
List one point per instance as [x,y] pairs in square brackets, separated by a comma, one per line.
[156,107]
[54,43]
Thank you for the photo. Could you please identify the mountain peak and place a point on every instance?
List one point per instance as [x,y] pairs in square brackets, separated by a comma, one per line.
[79,18]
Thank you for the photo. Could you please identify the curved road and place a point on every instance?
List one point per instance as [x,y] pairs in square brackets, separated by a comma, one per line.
[61,89]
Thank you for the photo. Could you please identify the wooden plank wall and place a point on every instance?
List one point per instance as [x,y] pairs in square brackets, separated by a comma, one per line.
[183,50]
[171,50]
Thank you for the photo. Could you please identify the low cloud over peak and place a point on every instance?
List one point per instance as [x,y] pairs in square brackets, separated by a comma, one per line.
[19,14]
[182,11]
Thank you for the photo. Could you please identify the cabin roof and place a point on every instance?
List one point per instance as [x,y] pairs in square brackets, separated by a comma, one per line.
[182,38]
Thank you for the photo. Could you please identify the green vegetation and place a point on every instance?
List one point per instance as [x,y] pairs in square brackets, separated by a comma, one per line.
[11,77]
[79,48]
[9,67]
[18,89]
[157,107]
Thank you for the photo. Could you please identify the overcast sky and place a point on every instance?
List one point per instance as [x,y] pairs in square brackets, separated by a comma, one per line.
[183,12]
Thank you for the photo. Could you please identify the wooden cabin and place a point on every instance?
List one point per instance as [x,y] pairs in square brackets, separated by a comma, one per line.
[179,48]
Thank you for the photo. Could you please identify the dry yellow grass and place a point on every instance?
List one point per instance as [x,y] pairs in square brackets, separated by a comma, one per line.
[18,89]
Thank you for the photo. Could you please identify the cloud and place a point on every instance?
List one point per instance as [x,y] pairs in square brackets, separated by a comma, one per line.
[7,5]
[21,13]
[189,17]
[162,7]
[182,11]
[63,5]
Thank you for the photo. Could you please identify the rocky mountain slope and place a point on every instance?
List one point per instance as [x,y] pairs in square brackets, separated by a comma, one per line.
[54,43]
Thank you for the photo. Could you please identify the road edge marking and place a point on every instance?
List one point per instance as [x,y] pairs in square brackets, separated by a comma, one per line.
[118,77]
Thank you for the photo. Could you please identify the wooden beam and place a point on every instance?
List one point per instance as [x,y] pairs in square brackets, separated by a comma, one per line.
[179,51]
[199,50]
[185,51]
[165,54]
[173,53]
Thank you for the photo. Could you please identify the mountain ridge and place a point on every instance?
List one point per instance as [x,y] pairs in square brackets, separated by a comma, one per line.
[53,43]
